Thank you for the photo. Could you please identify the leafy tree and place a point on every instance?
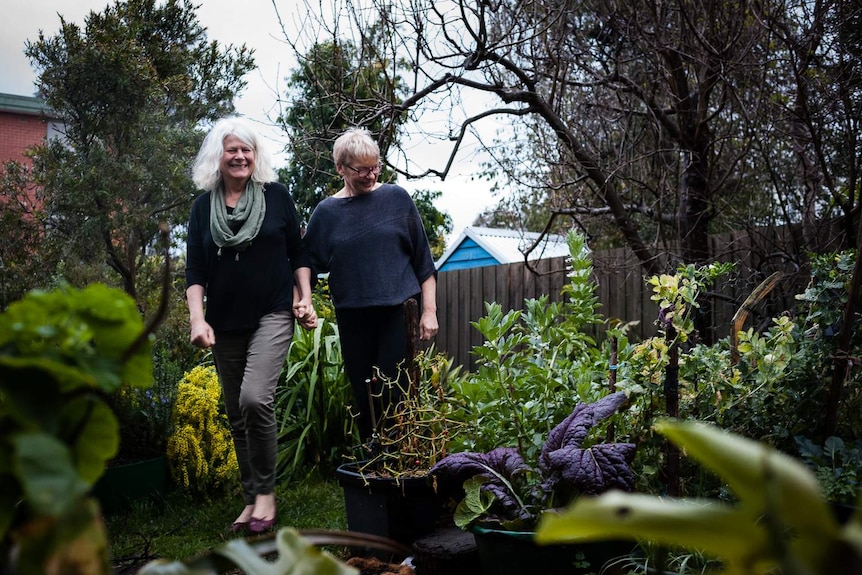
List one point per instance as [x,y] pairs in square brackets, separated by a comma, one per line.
[132,87]
[647,123]
[332,89]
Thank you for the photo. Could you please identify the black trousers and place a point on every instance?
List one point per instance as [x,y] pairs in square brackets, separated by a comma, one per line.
[374,348]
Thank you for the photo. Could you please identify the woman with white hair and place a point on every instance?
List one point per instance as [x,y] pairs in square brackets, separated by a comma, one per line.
[246,259]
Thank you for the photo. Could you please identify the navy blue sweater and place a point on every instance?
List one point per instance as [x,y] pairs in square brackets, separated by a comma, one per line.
[373,246]
[243,286]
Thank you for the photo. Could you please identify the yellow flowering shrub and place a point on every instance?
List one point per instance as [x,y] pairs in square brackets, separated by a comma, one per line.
[201,455]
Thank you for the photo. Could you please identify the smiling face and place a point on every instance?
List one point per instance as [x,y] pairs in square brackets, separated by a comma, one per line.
[237,162]
[360,174]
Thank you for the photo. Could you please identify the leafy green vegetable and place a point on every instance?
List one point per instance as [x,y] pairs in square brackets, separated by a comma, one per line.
[62,353]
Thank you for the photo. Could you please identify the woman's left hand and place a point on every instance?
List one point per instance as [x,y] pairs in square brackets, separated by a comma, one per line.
[428,325]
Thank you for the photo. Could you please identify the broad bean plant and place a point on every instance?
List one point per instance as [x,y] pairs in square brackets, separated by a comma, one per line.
[533,366]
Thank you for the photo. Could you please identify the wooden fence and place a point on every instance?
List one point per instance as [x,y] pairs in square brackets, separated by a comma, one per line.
[621,287]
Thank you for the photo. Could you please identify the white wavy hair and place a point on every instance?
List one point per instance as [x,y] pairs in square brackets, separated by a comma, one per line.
[205,172]
[354,144]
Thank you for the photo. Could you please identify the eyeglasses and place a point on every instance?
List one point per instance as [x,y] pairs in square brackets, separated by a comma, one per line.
[364,172]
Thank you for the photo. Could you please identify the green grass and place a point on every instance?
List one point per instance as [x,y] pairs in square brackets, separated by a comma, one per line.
[178,527]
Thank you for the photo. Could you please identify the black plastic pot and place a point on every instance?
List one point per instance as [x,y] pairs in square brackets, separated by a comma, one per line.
[403,510]
[516,553]
[122,485]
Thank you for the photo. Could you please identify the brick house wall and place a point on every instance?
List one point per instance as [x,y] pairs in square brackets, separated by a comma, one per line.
[24,122]
[19,132]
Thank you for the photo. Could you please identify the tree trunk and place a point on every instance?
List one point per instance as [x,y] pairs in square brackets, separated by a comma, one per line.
[693,217]
[671,398]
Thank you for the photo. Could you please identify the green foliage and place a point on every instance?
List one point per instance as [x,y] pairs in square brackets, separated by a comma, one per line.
[677,296]
[61,353]
[826,295]
[536,362]
[312,401]
[22,236]
[121,169]
[785,373]
[769,354]
[774,392]
[145,420]
[837,466]
[80,338]
[145,416]
[201,455]
[780,524]
[533,366]
[477,502]
[644,368]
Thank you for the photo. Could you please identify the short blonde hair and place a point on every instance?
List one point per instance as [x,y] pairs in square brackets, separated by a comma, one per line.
[205,172]
[355,143]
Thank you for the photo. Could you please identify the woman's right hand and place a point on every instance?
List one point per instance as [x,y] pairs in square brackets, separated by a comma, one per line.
[201,334]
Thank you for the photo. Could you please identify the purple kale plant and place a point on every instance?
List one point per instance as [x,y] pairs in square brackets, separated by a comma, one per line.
[502,488]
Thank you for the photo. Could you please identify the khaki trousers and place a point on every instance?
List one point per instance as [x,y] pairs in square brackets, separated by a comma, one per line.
[249,365]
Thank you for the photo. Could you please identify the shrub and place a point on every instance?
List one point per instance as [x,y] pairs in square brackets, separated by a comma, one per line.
[145,418]
[312,402]
[201,456]
[837,466]
[145,415]
[772,387]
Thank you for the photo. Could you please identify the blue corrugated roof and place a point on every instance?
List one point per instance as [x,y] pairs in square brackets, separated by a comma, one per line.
[478,246]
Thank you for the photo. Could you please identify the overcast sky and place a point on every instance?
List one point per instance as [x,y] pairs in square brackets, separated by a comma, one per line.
[250,22]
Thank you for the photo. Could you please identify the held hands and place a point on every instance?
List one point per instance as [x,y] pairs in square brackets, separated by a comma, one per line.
[305,314]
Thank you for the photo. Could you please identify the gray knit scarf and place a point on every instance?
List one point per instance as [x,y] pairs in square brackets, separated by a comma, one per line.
[250,210]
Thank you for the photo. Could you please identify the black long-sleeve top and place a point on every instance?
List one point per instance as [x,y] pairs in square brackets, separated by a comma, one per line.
[243,286]
[373,246]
